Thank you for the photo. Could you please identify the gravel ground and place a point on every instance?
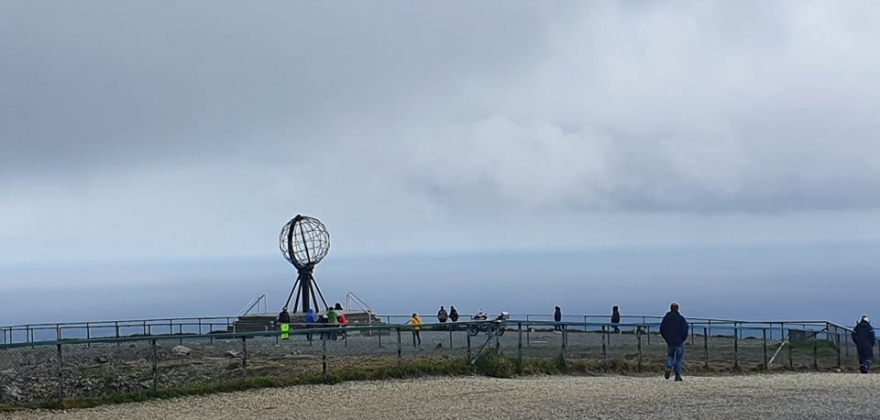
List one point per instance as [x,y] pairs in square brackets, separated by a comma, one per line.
[777,396]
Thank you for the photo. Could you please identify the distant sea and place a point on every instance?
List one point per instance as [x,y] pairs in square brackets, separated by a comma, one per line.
[813,282]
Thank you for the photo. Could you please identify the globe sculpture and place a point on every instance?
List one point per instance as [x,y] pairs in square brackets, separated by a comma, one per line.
[304,242]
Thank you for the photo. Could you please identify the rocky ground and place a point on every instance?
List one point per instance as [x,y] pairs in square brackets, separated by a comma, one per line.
[776,396]
[31,374]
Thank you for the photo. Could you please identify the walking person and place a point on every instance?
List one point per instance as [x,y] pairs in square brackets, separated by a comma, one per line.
[674,330]
[863,337]
[615,319]
[557,317]
[416,322]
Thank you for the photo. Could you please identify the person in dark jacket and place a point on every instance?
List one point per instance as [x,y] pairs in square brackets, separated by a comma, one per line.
[284,323]
[674,330]
[615,319]
[557,317]
[284,316]
[863,337]
[442,315]
[453,314]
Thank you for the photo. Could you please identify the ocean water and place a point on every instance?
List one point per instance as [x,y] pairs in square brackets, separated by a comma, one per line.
[827,282]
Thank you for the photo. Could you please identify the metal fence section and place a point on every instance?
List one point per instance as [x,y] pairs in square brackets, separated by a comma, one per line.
[55,371]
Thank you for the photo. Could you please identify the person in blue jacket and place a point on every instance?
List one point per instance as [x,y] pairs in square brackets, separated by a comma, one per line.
[674,330]
[863,337]
[310,322]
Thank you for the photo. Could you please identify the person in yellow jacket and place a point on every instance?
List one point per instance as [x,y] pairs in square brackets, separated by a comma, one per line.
[416,323]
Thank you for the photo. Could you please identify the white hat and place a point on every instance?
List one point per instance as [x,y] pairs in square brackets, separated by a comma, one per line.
[865,318]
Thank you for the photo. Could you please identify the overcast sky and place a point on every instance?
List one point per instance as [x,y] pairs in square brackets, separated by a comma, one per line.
[196,129]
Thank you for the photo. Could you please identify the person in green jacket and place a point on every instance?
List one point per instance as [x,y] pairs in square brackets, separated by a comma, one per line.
[332,321]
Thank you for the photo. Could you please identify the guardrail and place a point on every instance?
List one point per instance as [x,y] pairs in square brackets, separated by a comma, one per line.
[54,371]
[35,333]
[32,333]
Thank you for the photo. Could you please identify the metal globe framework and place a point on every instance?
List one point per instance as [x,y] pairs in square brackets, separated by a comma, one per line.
[304,242]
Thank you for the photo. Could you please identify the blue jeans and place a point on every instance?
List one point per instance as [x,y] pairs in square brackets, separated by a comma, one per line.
[675,357]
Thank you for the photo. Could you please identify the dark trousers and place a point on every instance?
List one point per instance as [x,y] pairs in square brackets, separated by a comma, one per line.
[417,340]
[866,357]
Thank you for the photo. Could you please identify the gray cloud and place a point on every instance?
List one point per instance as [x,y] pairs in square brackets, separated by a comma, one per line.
[197,129]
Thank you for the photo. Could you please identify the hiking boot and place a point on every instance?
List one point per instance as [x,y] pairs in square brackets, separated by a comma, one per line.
[678,379]
[668,372]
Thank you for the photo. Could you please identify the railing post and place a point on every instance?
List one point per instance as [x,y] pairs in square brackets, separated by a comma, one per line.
[60,377]
[706,345]
[585,323]
[57,333]
[790,357]
[519,356]
[244,357]
[735,347]
[528,331]
[116,324]
[468,346]
[400,351]
[450,335]
[564,340]
[648,332]
[88,335]
[604,339]
[838,350]
[200,326]
[639,337]
[145,327]
[816,351]
[155,368]
[764,332]
[324,354]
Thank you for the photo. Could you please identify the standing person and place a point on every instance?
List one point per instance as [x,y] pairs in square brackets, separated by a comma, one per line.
[557,316]
[863,337]
[323,320]
[442,315]
[343,322]
[453,314]
[310,322]
[284,322]
[615,319]
[333,321]
[416,322]
[674,329]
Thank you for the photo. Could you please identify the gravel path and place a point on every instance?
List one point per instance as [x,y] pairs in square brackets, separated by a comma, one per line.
[779,396]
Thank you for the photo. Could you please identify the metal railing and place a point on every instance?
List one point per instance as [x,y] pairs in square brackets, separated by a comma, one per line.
[256,303]
[351,297]
[33,333]
[42,332]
